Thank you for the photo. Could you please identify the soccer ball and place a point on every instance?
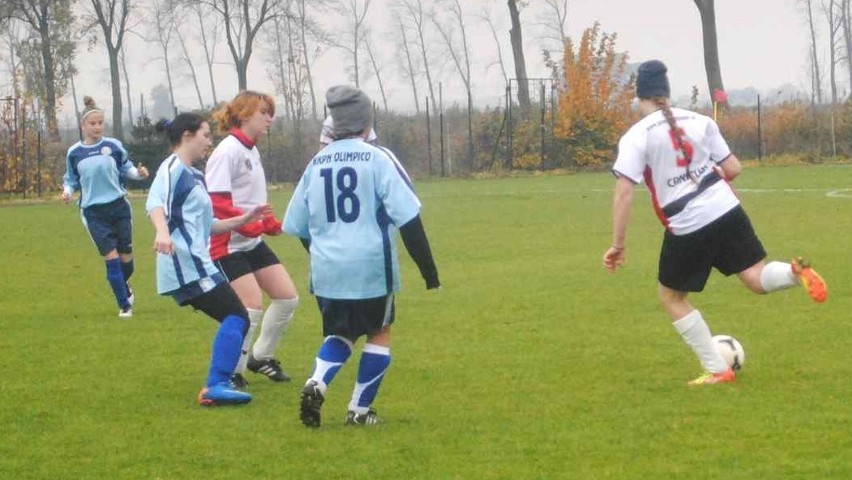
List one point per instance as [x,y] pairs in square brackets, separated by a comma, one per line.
[731,350]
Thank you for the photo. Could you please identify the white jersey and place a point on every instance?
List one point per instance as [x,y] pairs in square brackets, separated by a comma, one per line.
[234,167]
[685,201]
[328,130]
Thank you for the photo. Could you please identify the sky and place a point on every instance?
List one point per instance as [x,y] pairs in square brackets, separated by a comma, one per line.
[762,44]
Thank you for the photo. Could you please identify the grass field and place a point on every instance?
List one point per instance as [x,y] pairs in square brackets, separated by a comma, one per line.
[532,362]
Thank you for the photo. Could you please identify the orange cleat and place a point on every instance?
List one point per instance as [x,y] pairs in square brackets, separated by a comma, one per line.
[713,378]
[809,279]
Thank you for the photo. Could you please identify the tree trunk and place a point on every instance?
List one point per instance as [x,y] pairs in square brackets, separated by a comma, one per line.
[49,80]
[115,80]
[518,52]
[707,9]
[127,88]
[191,68]
[302,27]
[242,77]
[208,54]
[846,16]
[410,66]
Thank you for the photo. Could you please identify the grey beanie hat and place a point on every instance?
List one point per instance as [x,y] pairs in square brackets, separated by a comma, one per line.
[351,109]
[652,80]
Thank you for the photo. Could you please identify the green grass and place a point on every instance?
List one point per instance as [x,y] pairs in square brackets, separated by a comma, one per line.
[532,362]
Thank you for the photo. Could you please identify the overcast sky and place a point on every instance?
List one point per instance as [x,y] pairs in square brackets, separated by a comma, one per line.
[762,43]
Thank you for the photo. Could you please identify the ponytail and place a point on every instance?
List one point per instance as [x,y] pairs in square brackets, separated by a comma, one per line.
[676,132]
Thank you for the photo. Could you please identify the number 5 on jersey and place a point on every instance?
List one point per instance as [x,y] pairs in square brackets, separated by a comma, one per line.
[684,152]
[346,181]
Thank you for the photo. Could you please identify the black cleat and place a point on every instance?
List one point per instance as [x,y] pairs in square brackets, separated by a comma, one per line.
[239,382]
[368,418]
[311,403]
[271,368]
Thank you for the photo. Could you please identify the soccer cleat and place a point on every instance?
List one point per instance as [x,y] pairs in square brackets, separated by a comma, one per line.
[708,378]
[809,279]
[369,418]
[125,312]
[239,382]
[271,368]
[130,296]
[311,403]
[222,394]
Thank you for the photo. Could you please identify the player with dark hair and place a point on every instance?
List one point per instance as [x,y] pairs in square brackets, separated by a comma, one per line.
[346,209]
[237,183]
[96,166]
[182,213]
[687,166]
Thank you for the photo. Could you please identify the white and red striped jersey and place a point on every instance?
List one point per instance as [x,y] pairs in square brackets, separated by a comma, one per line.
[237,183]
[686,196]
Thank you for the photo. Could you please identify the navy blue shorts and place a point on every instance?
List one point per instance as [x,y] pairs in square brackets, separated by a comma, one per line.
[728,244]
[110,225]
[353,318]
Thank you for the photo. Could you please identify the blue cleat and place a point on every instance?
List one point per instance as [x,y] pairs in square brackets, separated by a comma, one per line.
[222,394]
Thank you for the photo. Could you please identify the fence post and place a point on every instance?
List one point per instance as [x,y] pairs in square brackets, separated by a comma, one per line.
[441,123]
[759,132]
[542,127]
[509,126]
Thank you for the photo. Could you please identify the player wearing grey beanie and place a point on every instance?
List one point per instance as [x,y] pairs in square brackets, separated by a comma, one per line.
[351,110]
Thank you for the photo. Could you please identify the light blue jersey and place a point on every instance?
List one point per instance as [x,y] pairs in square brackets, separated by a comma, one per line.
[181,192]
[96,171]
[349,203]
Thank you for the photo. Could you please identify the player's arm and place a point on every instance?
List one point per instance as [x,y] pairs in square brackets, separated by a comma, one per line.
[296,218]
[729,168]
[417,244]
[727,165]
[162,239]
[621,205]
[70,181]
[255,215]
[128,170]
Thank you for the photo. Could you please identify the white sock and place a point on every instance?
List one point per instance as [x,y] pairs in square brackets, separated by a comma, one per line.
[696,334]
[254,319]
[777,276]
[275,322]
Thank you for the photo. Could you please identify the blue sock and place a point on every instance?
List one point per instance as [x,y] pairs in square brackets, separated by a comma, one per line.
[374,363]
[226,349]
[332,354]
[115,276]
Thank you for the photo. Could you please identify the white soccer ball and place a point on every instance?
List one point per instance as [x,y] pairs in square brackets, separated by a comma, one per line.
[731,350]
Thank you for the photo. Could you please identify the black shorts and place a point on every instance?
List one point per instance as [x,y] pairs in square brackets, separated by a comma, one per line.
[110,226]
[353,318]
[729,244]
[219,303]
[235,265]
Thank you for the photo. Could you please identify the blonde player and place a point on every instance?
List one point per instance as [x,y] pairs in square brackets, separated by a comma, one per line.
[237,183]
[687,166]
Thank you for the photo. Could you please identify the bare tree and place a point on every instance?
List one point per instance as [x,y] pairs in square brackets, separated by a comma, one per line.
[846,21]
[209,38]
[376,70]
[287,67]
[408,67]
[122,58]
[516,36]
[188,59]
[163,27]
[835,23]
[354,13]
[51,22]
[307,27]
[553,21]
[816,80]
[112,17]
[243,20]
[487,16]
[707,10]
[461,59]
[413,11]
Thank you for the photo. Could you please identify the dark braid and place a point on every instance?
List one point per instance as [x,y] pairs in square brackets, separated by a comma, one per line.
[663,104]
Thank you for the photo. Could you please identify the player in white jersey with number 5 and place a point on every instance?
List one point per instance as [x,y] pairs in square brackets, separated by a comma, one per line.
[237,183]
[346,209]
[687,167]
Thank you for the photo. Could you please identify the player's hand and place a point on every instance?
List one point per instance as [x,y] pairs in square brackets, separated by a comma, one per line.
[271,225]
[163,244]
[613,258]
[257,213]
[143,172]
[67,197]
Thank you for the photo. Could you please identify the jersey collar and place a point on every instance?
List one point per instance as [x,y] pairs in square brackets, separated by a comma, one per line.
[239,135]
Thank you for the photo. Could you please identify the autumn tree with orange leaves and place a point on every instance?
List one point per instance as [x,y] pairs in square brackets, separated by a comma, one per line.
[595,94]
